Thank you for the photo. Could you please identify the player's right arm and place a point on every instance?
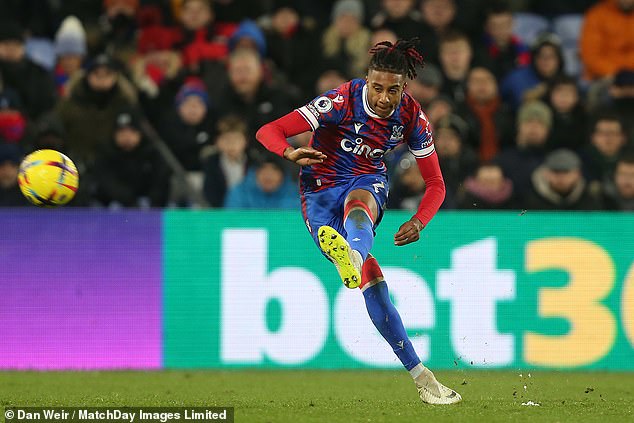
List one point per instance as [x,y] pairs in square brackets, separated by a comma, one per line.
[273,136]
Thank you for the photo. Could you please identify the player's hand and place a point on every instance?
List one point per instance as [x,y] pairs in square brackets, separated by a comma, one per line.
[408,232]
[304,156]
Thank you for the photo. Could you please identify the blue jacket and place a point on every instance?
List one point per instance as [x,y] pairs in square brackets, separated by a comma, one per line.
[248,195]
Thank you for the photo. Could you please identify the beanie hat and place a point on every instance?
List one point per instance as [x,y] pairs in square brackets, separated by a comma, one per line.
[193,86]
[249,29]
[535,110]
[11,31]
[70,38]
[351,7]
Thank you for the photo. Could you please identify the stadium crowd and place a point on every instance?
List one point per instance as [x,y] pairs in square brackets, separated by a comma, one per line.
[158,101]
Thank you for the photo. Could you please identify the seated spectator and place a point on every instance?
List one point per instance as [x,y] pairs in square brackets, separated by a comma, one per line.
[248,35]
[534,121]
[501,50]
[490,120]
[606,38]
[618,192]
[457,159]
[439,108]
[408,186]
[88,113]
[31,82]
[455,54]
[531,82]
[569,118]
[10,194]
[119,29]
[426,86]
[400,17]
[13,123]
[187,127]
[70,48]
[608,138]
[266,186]
[227,166]
[328,80]
[559,185]
[487,189]
[130,172]
[437,17]
[346,41]
[619,96]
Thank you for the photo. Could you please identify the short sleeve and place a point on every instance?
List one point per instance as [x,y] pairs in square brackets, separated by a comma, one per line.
[328,108]
[421,140]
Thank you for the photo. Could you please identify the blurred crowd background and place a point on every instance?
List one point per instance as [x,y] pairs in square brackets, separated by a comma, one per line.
[158,101]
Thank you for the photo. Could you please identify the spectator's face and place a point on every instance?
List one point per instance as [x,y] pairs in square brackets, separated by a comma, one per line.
[438,13]
[481,85]
[448,143]
[11,51]
[70,63]
[284,20]
[547,61]
[192,110]
[564,98]
[624,180]
[269,178]
[196,15]
[500,28]
[245,73]
[127,138]
[120,8]
[347,24]
[383,35]
[397,8]
[563,182]
[455,58]
[421,92]
[608,137]
[438,110]
[490,177]
[102,79]
[8,174]
[329,80]
[532,133]
[232,144]
[385,90]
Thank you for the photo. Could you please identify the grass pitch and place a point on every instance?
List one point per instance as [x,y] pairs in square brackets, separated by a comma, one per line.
[338,396]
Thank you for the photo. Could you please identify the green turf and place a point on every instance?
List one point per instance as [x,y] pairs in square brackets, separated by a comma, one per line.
[338,396]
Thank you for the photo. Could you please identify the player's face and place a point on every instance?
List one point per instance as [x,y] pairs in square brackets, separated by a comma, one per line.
[385,91]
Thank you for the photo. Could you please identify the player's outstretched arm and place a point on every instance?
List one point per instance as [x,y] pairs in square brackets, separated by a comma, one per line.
[430,203]
[273,136]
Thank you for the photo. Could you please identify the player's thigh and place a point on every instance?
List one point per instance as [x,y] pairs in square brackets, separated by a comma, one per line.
[322,208]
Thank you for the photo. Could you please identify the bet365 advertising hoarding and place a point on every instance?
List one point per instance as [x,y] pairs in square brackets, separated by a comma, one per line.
[209,289]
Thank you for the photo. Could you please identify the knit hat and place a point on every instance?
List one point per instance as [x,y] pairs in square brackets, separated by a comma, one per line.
[535,110]
[562,160]
[193,86]
[249,29]
[430,76]
[351,7]
[70,38]
[103,60]
[127,119]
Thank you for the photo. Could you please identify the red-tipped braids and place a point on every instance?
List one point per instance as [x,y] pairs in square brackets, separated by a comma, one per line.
[401,58]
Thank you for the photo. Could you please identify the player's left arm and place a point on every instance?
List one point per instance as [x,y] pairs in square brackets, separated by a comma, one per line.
[421,144]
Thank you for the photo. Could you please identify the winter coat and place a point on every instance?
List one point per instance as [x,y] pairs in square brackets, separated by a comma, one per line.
[248,195]
[33,83]
[543,197]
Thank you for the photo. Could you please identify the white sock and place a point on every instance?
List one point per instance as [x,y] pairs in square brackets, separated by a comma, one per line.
[417,371]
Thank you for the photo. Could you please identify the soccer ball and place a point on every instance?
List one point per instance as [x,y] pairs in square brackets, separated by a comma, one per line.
[47,178]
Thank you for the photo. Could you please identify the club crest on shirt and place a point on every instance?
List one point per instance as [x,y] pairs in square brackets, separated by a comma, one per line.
[397,133]
[323,104]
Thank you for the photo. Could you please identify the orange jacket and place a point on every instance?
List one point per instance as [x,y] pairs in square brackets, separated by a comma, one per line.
[607,40]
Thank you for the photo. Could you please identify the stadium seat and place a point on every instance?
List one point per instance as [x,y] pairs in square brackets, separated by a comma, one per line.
[568,28]
[528,26]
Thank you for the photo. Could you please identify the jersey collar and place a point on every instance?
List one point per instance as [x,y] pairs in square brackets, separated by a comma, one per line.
[366,105]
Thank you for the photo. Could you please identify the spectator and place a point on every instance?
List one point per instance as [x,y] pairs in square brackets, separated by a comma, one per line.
[619,191]
[329,80]
[10,158]
[607,38]
[227,166]
[531,82]
[490,120]
[30,81]
[500,50]
[266,186]
[559,185]
[408,187]
[129,171]
[439,108]
[534,121]
[346,41]
[119,29]
[426,86]
[13,123]
[437,17]
[187,128]
[70,48]
[487,189]
[607,140]
[569,119]
[455,61]
[48,132]
[248,35]
[457,159]
[399,17]
[88,113]
[621,97]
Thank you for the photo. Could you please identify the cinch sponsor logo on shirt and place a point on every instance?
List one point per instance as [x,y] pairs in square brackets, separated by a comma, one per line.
[360,149]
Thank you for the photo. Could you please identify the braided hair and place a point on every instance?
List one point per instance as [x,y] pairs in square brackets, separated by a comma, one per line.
[400,58]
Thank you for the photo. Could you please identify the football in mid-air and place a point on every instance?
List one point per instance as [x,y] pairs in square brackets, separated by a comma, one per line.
[48,178]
